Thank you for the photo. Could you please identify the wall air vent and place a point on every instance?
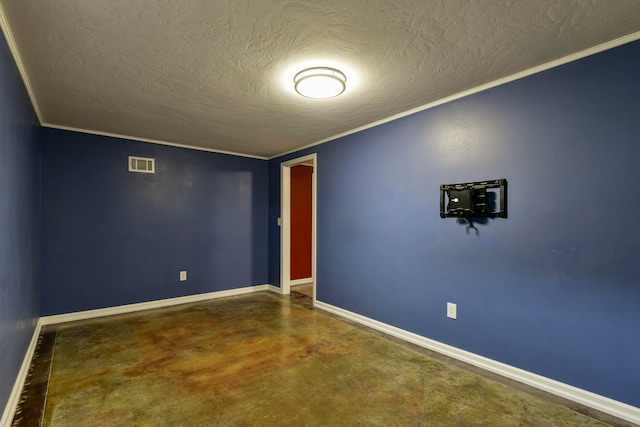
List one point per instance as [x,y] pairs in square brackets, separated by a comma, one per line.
[142,164]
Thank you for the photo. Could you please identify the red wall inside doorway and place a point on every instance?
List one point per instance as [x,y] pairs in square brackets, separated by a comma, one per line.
[301,207]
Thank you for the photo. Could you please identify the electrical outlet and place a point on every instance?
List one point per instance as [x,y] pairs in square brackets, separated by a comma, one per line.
[183,276]
[452,310]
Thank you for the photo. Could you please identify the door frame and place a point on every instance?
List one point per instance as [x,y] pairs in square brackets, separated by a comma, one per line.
[285,221]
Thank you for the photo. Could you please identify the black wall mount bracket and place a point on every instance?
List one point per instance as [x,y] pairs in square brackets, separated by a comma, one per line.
[472,200]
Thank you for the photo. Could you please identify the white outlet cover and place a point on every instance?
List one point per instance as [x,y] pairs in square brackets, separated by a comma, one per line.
[452,310]
[183,276]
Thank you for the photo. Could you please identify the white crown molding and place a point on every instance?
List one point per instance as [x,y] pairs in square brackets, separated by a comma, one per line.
[4,24]
[517,76]
[151,141]
[13,48]
[18,385]
[595,401]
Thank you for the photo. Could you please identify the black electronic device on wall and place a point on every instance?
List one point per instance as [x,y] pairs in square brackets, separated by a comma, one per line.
[474,200]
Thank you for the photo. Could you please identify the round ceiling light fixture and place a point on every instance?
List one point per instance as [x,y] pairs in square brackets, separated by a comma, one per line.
[320,82]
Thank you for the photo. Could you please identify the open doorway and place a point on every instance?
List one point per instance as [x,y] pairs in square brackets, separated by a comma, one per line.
[294,262]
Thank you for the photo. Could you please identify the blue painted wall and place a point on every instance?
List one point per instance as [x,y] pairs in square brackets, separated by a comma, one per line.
[553,289]
[112,237]
[19,222]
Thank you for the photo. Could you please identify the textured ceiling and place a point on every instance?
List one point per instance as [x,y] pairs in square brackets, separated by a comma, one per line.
[218,74]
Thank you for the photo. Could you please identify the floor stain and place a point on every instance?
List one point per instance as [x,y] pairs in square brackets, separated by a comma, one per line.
[263,360]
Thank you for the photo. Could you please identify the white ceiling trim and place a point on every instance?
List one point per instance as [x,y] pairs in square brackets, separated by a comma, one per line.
[526,73]
[13,48]
[6,30]
[151,141]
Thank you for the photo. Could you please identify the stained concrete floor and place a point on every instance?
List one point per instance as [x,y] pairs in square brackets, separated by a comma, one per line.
[306,290]
[259,360]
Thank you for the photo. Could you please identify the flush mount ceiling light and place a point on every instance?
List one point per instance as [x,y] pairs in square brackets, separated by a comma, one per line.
[320,82]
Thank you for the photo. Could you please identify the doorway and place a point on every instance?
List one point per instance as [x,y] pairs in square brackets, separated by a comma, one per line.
[286,280]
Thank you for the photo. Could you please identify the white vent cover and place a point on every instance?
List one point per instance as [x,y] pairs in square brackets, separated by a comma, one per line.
[142,164]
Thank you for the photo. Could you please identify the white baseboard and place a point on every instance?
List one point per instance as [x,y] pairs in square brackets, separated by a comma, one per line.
[595,401]
[304,281]
[130,308]
[12,404]
[14,398]
[274,289]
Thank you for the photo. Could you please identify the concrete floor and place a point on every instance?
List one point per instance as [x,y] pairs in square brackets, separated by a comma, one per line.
[303,289]
[260,360]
